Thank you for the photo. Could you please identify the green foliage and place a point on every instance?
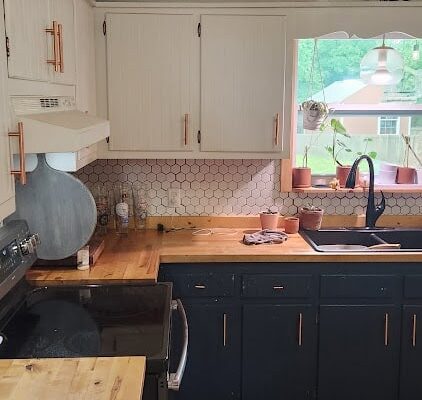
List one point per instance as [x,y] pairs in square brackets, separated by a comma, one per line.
[338,145]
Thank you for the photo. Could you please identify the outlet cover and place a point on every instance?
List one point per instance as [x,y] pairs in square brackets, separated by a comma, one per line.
[173,195]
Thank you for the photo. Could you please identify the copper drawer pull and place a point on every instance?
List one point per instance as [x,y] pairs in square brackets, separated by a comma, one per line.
[21,173]
[186,129]
[277,128]
[278,287]
[200,287]
[386,317]
[299,334]
[56,46]
[60,38]
[224,329]
[414,331]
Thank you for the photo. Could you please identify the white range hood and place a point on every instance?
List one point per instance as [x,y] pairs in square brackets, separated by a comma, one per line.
[53,126]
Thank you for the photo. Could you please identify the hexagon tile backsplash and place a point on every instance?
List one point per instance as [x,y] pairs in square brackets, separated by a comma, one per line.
[229,187]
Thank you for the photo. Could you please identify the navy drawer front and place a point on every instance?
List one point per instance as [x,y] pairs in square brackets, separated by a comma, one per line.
[413,286]
[358,286]
[203,285]
[277,285]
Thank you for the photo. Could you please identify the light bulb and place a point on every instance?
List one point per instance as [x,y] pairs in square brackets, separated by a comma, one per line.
[381,77]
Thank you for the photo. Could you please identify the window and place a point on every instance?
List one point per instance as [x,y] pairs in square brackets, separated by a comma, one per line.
[374,116]
[389,125]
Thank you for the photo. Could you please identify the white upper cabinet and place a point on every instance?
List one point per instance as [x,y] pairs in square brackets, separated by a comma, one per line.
[7,188]
[242,82]
[62,12]
[32,48]
[150,78]
[26,21]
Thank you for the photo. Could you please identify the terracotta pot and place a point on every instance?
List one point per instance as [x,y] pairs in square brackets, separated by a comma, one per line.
[342,172]
[406,175]
[310,219]
[419,176]
[301,177]
[269,221]
[291,224]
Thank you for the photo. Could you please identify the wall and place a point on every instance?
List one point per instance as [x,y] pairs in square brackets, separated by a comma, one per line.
[230,187]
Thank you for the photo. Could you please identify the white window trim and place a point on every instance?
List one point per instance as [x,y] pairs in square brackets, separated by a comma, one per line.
[388,134]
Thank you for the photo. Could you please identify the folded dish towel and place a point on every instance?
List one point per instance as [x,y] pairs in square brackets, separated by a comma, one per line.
[265,236]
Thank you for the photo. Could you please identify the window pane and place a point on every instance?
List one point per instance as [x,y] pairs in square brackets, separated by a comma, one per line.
[357,105]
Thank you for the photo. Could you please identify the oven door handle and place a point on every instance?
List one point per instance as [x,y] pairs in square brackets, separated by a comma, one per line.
[175,379]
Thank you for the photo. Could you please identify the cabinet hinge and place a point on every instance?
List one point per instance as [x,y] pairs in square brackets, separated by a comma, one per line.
[199,29]
[104,27]
[7,47]
[108,139]
[198,136]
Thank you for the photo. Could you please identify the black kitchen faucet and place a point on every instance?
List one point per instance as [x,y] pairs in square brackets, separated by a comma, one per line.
[373,211]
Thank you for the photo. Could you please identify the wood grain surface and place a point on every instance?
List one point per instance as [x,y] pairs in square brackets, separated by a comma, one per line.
[97,378]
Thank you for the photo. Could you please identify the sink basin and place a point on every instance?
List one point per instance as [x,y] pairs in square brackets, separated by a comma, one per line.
[358,240]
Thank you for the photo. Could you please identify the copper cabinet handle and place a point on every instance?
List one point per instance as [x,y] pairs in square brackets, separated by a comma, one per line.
[60,39]
[200,287]
[186,129]
[21,173]
[277,129]
[414,331]
[299,332]
[386,318]
[56,46]
[224,329]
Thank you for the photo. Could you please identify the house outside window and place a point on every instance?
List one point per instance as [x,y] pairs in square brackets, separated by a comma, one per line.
[378,113]
[389,125]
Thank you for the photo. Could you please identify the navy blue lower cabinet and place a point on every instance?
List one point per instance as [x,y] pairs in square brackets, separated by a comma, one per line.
[213,365]
[359,349]
[411,353]
[278,352]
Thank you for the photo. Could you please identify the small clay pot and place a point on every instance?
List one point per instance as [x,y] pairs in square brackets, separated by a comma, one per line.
[291,225]
[301,177]
[310,219]
[342,172]
[406,175]
[269,221]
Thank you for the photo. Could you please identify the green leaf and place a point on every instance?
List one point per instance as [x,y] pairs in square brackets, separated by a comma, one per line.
[329,149]
[348,150]
[368,140]
[372,154]
[359,153]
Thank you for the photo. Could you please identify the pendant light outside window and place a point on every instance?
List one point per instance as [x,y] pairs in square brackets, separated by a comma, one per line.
[415,52]
[382,66]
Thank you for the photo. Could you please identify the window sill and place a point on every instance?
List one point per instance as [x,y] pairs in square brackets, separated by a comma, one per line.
[385,188]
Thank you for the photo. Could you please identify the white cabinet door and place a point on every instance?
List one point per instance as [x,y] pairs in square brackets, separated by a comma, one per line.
[149,68]
[85,57]
[62,11]
[26,21]
[242,82]
[7,186]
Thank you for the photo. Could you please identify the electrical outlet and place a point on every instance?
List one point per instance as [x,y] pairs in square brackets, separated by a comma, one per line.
[173,197]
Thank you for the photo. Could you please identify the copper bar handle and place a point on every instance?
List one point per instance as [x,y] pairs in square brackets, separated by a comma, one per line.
[60,39]
[277,129]
[21,173]
[386,318]
[56,46]
[414,331]
[186,129]
[299,332]
[224,329]
[200,287]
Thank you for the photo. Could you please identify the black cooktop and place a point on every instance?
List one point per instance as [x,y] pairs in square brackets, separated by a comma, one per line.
[83,321]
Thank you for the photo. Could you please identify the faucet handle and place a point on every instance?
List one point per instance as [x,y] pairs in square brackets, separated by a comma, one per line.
[381,205]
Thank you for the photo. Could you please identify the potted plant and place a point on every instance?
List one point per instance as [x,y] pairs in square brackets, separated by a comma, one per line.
[338,146]
[406,174]
[269,219]
[302,176]
[310,217]
[314,114]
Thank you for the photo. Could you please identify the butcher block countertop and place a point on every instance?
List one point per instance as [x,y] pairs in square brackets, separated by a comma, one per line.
[135,258]
[97,378]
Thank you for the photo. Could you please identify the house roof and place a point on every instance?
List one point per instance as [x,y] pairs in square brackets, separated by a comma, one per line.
[339,91]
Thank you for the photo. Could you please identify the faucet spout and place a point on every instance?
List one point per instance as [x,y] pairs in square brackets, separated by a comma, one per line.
[373,211]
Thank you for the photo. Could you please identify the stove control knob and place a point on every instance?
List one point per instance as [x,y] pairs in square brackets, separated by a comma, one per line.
[26,247]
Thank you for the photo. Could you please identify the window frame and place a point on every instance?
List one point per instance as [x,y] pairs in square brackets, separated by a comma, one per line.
[388,118]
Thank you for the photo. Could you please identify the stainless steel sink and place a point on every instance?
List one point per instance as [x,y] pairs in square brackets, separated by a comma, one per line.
[361,239]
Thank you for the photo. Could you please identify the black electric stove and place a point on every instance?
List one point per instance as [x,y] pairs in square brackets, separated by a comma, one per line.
[83,321]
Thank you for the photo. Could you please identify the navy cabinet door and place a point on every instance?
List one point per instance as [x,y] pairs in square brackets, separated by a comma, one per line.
[279,352]
[359,352]
[411,354]
[213,366]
